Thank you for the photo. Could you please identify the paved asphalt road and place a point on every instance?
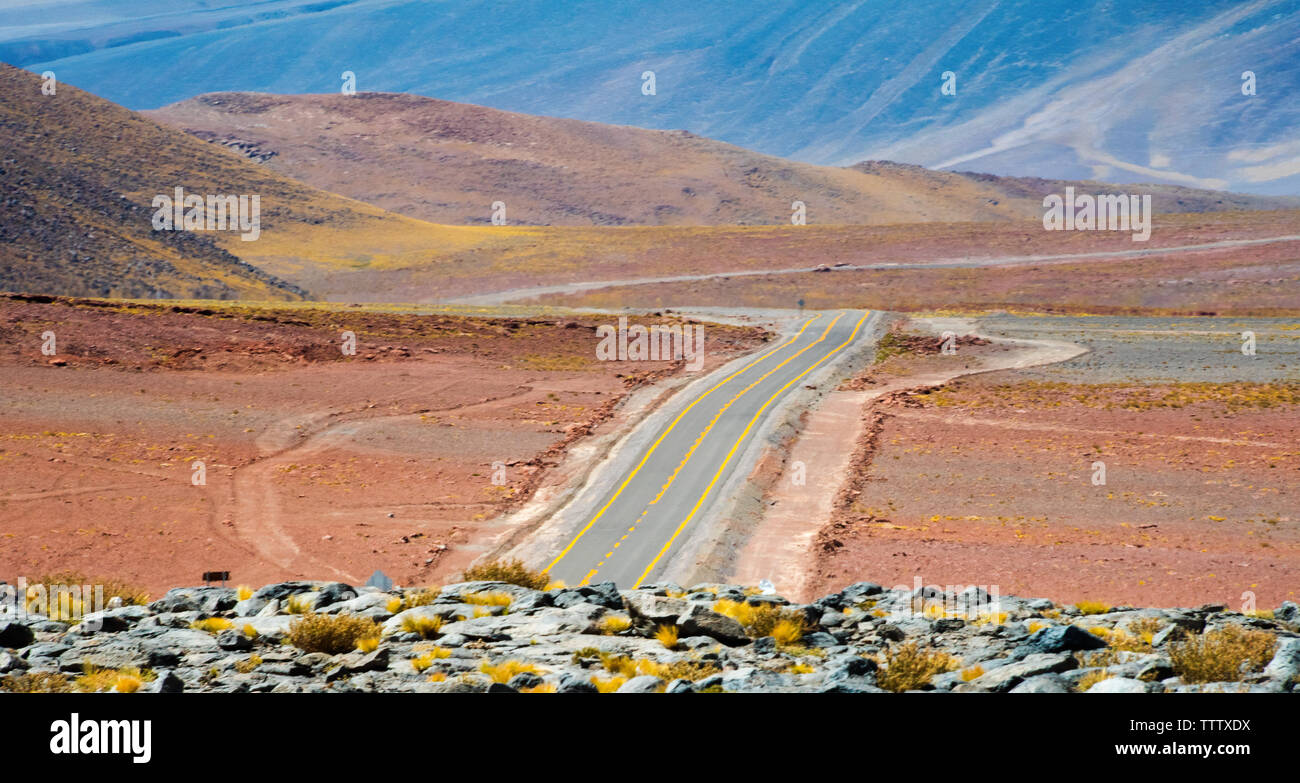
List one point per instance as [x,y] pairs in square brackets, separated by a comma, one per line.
[632,526]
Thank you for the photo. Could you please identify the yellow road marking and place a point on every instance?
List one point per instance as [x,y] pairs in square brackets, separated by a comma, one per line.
[703,434]
[744,434]
[665,434]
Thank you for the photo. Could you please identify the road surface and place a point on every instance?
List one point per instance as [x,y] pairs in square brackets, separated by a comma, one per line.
[630,526]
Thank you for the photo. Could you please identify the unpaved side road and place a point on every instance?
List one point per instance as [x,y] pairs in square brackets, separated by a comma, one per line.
[801,499]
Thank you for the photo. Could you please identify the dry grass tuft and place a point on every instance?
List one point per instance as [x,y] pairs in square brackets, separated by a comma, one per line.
[614,624]
[426,627]
[513,572]
[487,599]
[909,667]
[212,624]
[1225,655]
[608,684]
[331,634]
[763,619]
[506,670]
[1092,607]
[1090,679]
[667,636]
[36,682]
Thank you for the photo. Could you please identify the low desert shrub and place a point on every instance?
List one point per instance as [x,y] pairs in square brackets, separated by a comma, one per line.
[331,634]
[506,670]
[614,624]
[487,599]
[667,636]
[513,572]
[36,682]
[608,684]
[1225,655]
[1092,607]
[212,624]
[1090,679]
[910,667]
[426,626]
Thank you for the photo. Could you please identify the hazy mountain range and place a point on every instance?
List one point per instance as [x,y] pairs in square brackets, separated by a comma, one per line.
[1073,89]
[449,162]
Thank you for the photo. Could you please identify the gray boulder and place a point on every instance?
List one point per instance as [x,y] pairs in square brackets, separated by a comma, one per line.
[1062,638]
[14,634]
[1043,683]
[699,620]
[1120,685]
[645,683]
[1004,678]
[1285,665]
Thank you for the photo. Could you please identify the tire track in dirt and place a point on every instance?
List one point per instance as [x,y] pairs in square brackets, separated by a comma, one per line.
[255,504]
[806,516]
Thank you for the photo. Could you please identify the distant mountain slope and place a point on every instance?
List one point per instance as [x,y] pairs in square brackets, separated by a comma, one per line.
[1067,89]
[448,162]
[78,175]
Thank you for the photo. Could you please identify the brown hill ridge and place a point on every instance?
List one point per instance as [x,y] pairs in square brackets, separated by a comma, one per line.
[78,176]
[448,162]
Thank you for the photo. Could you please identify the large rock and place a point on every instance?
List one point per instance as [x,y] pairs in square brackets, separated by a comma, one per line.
[545,622]
[1043,683]
[14,635]
[655,609]
[1120,685]
[1285,665]
[282,590]
[645,683]
[699,620]
[1062,638]
[604,594]
[1004,678]
[111,620]
[196,599]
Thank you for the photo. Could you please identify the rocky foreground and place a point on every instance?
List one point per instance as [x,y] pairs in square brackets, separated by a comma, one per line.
[498,637]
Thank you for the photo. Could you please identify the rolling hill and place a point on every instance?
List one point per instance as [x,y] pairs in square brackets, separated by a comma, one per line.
[79,175]
[448,162]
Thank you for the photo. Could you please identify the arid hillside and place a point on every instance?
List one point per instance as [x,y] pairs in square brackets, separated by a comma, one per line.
[449,162]
[79,175]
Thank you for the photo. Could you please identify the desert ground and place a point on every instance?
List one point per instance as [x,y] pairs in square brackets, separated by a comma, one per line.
[990,479]
[316,464]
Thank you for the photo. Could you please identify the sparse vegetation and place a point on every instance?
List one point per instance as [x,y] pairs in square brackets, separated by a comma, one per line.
[36,682]
[95,679]
[506,670]
[331,634]
[1092,607]
[513,572]
[910,667]
[487,599]
[1223,655]
[1092,678]
[763,619]
[212,624]
[427,626]
[667,636]
[608,684]
[614,624]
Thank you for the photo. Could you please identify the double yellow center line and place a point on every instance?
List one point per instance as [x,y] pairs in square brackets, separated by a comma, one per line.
[744,434]
[667,432]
